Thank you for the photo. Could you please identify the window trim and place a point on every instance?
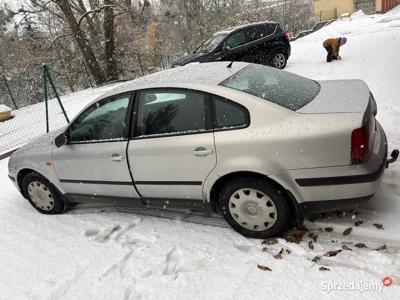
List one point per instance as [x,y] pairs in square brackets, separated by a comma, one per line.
[135,135]
[256,41]
[131,96]
[210,115]
[233,103]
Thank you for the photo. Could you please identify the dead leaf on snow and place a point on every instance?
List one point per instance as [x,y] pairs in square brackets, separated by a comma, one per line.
[333,253]
[264,268]
[379,226]
[311,245]
[299,234]
[291,239]
[328,229]
[361,245]
[316,259]
[288,251]
[347,231]
[381,248]
[324,269]
[279,255]
[358,223]
[344,247]
[270,242]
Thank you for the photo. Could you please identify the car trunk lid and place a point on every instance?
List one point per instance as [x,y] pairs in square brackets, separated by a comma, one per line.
[339,96]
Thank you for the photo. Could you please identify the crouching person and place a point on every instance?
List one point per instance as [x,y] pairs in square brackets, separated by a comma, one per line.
[332,46]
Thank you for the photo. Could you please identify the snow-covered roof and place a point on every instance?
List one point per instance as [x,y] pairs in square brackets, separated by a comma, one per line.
[235,28]
[4,108]
[210,74]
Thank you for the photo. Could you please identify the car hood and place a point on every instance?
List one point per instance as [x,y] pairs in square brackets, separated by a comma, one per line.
[44,141]
[193,57]
[339,96]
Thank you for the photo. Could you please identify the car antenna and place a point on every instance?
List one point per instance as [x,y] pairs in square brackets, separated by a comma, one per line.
[230,65]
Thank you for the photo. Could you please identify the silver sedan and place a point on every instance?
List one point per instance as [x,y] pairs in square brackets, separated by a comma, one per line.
[260,146]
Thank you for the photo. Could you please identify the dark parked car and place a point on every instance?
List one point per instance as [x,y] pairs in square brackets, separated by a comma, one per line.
[262,43]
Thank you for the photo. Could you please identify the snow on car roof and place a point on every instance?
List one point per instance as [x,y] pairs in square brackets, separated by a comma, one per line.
[195,73]
[232,29]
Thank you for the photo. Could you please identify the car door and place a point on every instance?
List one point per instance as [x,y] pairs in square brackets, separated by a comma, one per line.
[172,151]
[93,164]
[232,49]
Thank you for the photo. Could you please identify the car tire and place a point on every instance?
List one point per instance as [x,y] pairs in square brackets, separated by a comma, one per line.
[42,195]
[278,60]
[254,208]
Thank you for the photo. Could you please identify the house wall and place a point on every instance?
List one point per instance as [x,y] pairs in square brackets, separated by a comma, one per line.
[386,5]
[378,5]
[332,9]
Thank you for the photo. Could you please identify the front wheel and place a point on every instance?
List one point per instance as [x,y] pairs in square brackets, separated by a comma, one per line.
[278,60]
[254,208]
[42,195]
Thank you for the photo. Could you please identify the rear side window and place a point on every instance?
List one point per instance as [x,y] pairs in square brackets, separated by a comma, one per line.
[265,30]
[229,114]
[283,88]
[163,112]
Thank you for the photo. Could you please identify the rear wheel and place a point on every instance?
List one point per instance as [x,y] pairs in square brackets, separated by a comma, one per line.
[42,195]
[254,208]
[278,60]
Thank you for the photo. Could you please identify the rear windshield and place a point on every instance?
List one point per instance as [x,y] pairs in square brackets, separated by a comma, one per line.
[285,89]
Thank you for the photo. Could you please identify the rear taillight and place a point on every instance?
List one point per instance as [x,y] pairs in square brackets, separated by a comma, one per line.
[287,37]
[360,139]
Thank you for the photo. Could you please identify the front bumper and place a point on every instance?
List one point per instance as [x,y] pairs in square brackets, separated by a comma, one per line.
[13,179]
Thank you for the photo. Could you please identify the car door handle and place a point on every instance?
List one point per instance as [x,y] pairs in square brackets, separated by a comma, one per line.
[202,151]
[117,157]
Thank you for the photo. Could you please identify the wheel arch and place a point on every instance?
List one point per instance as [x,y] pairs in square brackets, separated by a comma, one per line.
[20,178]
[24,172]
[296,212]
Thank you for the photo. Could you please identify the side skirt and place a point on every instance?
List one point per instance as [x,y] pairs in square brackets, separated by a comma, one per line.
[158,203]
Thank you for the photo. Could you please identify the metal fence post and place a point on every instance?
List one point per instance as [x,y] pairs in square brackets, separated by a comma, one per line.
[48,75]
[9,91]
[46,98]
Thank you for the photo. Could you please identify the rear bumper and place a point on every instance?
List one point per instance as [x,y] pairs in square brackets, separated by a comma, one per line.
[315,207]
[327,188]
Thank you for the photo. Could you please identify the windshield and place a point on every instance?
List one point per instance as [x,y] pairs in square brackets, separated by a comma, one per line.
[285,89]
[210,44]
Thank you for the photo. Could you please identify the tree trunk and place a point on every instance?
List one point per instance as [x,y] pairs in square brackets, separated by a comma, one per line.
[109,49]
[86,49]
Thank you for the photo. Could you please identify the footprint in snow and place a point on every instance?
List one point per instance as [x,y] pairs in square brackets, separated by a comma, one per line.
[176,264]
[104,234]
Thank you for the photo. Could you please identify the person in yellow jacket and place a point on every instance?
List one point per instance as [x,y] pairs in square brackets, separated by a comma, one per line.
[332,46]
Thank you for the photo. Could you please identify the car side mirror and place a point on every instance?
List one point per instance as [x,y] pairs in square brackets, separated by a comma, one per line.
[61,140]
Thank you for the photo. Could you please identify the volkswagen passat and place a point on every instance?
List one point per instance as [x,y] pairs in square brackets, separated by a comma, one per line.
[260,146]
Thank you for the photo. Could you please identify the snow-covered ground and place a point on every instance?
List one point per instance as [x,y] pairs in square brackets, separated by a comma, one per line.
[114,255]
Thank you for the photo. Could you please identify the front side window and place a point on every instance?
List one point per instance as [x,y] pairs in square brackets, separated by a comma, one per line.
[211,44]
[229,114]
[163,112]
[105,120]
[236,40]
[283,88]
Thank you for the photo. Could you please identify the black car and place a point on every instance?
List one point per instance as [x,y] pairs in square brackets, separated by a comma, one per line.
[262,43]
